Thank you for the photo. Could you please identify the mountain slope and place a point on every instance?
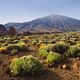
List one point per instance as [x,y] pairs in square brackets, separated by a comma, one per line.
[49,23]
[3,30]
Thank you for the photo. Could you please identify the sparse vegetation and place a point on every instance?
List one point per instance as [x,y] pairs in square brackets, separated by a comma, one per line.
[22,55]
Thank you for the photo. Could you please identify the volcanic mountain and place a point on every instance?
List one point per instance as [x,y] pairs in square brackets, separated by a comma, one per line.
[51,23]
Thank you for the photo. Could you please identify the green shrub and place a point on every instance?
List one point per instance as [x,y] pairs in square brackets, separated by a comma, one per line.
[43,53]
[13,46]
[34,42]
[72,42]
[49,47]
[3,49]
[43,47]
[26,64]
[74,51]
[53,58]
[16,41]
[60,47]
[16,46]
[14,51]
[22,48]
[16,66]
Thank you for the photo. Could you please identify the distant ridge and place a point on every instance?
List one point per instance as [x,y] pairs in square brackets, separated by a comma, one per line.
[51,23]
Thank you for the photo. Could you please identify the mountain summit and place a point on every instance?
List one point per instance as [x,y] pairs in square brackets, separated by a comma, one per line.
[49,23]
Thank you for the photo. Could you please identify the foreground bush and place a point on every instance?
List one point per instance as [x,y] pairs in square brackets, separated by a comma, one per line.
[74,51]
[26,64]
[53,58]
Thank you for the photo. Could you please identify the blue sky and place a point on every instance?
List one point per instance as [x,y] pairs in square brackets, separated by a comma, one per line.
[26,10]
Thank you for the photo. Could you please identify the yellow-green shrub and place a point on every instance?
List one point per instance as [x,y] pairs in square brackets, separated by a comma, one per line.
[18,47]
[53,58]
[26,64]
[3,49]
[74,51]
[43,53]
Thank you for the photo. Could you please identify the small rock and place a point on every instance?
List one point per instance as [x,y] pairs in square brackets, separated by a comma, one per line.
[75,66]
[64,66]
[50,65]
[77,58]
[53,68]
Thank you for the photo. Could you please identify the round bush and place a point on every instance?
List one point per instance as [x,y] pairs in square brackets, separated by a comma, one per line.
[60,47]
[16,47]
[53,58]
[13,46]
[34,42]
[74,51]
[14,51]
[49,47]
[26,64]
[43,53]
[3,49]
[43,47]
